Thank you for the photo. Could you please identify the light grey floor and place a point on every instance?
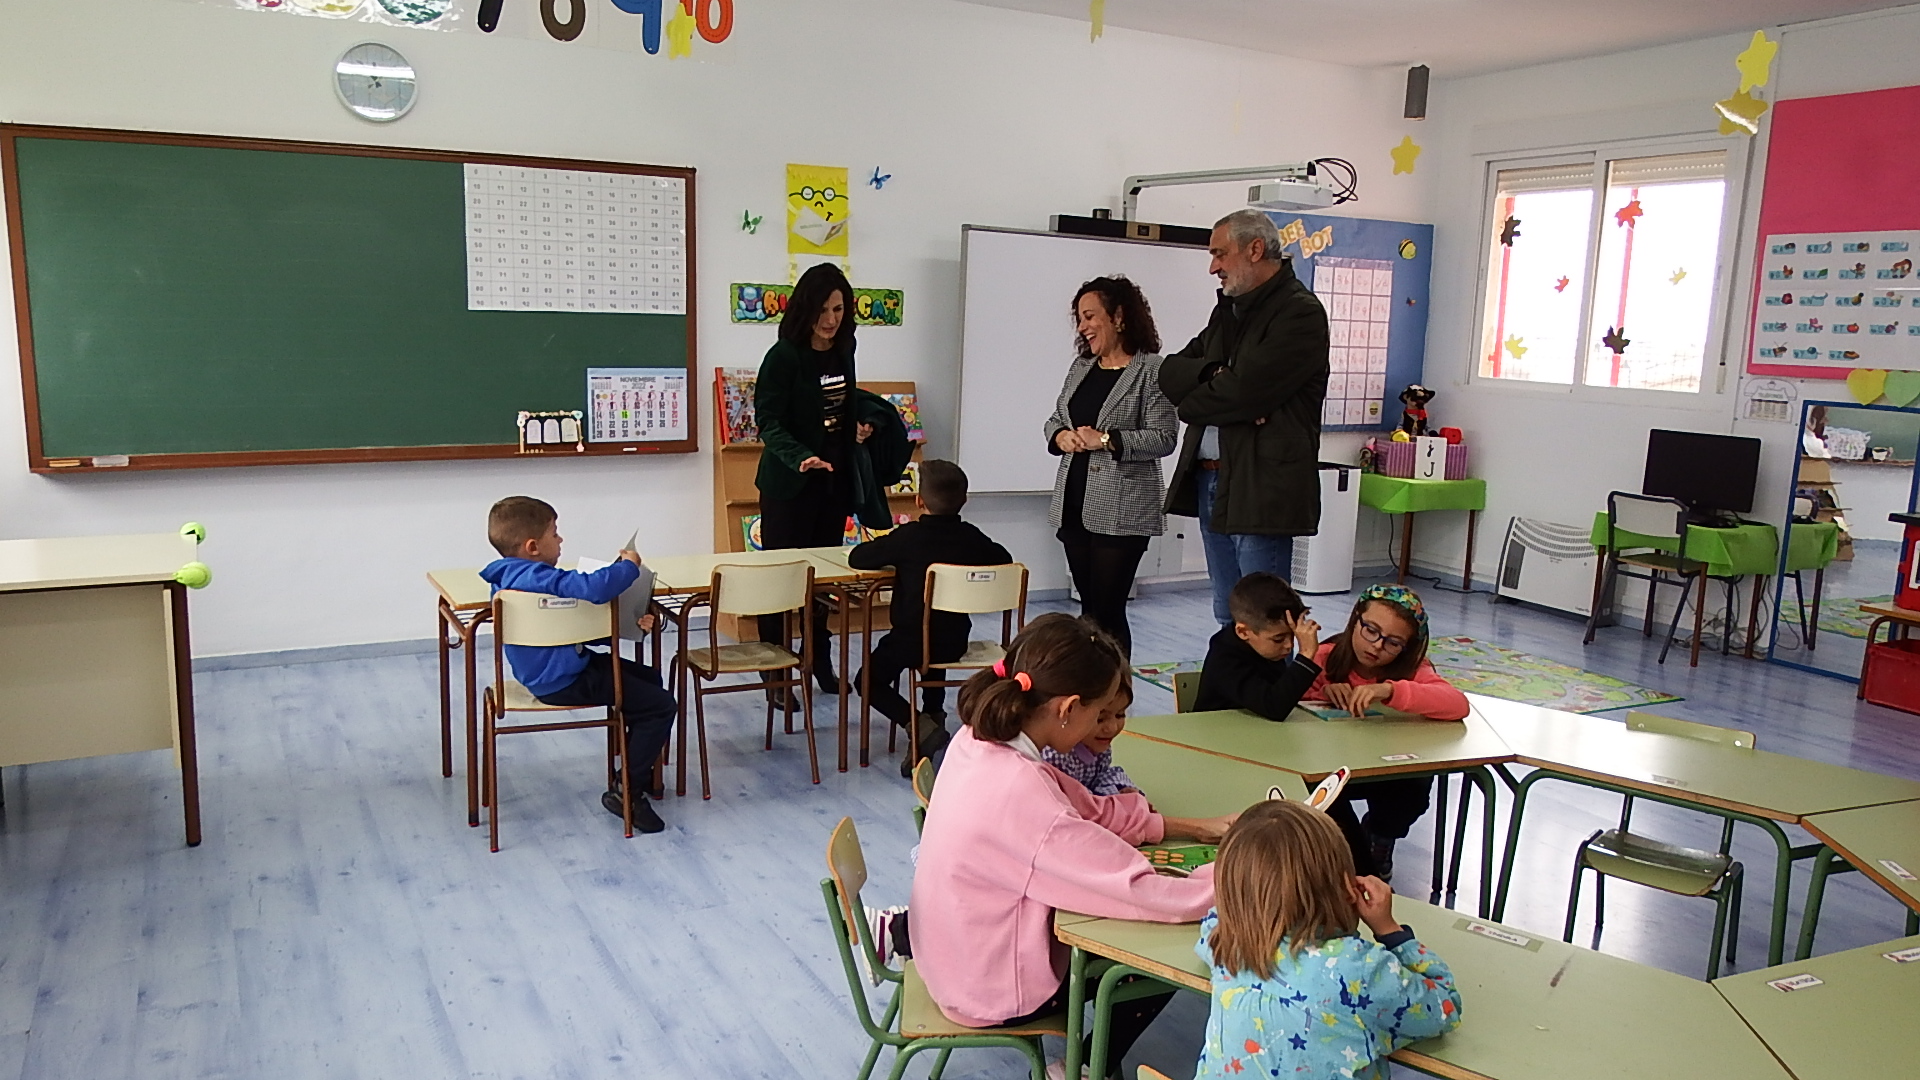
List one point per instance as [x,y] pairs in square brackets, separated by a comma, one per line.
[341,920]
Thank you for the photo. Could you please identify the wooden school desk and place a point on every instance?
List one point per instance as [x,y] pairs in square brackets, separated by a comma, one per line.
[1371,748]
[95,657]
[465,601]
[1762,789]
[1859,1021]
[1882,842]
[1532,1007]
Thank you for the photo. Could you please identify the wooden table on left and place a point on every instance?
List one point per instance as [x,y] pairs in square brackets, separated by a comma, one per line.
[94,653]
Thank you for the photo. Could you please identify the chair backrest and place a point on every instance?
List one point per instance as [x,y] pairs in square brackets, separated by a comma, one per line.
[762,588]
[923,781]
[1186,690]
[1648,515]
[525,618]
[1687,729]
[847,863]
[844,914]
[977,590]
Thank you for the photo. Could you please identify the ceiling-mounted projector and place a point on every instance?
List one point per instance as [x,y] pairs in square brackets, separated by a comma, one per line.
[1291,195]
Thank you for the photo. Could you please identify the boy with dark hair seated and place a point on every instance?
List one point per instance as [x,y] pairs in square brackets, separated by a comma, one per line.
[526,533]
[939,536]
[1263,662]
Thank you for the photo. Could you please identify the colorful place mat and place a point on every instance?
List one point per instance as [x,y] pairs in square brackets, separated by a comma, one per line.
[1180,858]
[1479,668]
[1842,615]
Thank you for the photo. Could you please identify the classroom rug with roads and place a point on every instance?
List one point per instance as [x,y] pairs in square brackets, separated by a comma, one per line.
[1842,615]
[1476,667]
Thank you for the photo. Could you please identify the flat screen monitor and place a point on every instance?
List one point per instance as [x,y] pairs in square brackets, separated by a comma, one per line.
[1707,472]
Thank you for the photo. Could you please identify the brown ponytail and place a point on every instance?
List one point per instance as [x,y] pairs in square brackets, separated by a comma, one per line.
[1061,656]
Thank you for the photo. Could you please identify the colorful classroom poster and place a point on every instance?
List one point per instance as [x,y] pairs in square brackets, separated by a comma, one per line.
[1372,276]
[817,212]
[1840,300]
[636,404]
[571,240]
[755,302]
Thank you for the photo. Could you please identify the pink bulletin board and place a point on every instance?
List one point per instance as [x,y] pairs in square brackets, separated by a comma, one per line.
[1840,163]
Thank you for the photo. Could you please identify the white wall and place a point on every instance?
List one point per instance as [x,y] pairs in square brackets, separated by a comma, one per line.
[983,116]
[1544,453]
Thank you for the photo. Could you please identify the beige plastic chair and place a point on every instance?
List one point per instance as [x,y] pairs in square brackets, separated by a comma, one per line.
[1186,690]
[912,1022]
[542,621]
[1671,868]
[748,590]
[923,777]
[970,590]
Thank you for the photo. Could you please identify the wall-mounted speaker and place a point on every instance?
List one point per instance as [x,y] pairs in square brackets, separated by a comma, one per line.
[1417,92]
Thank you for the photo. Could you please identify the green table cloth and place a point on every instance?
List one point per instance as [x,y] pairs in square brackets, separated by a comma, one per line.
[1394,495]
[1752,548]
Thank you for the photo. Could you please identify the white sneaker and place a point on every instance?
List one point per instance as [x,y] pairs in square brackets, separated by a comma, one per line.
[1057,1070]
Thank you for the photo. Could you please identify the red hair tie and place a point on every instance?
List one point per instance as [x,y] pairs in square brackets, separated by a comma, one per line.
[1025,680]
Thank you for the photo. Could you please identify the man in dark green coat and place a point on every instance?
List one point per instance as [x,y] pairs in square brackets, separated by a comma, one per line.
[1250,389]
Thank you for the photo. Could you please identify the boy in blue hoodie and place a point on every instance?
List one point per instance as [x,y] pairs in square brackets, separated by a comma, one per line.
[526,533]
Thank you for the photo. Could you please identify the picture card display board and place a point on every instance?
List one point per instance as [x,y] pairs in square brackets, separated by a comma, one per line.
[190,301]
[1839,173]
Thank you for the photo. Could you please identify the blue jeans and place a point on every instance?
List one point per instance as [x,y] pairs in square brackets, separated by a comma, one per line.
[1232,556]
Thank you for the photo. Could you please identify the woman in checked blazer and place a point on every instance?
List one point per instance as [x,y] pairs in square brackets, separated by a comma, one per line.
[1110,428]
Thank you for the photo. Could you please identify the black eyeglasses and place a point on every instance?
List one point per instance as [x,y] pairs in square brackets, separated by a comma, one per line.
[1377,636]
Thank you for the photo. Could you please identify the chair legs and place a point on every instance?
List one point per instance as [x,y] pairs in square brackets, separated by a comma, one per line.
[1573,894]
[700,727]
[490,781]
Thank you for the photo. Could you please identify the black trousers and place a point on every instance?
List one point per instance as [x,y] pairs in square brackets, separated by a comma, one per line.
[648,709]
[1103,567]
[1129,1020]
[817,517]
[892,655]
[1393,805]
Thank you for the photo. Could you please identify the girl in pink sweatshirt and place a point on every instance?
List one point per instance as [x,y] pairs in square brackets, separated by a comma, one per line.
[1381,659]
[1009,839]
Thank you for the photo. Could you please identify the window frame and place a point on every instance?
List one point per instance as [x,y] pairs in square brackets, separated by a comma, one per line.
[1714,358]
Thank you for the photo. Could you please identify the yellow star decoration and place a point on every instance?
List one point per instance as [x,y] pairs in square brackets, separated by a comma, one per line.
[1097,12]
[1404,154]
[1515,347]
[1678,275]
[679,33]
[1740,113]
[1756,62]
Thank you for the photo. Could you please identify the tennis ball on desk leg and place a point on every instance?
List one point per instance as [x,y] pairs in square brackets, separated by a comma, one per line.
[194,575]
[195,530]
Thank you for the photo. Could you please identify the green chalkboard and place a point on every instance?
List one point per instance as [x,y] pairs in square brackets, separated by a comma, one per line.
[199,301]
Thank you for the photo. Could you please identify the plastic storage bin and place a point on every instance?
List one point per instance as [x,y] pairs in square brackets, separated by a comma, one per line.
[1892,674]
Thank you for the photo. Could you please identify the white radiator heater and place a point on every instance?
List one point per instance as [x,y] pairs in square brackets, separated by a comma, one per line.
[1548,564]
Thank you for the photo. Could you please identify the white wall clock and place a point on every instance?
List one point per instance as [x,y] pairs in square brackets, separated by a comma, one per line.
[375,82]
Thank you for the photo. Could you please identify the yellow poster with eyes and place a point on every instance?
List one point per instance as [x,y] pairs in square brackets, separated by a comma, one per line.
[817,210]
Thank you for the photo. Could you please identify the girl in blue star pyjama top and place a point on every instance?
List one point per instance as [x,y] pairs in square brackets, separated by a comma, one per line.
[1296,992]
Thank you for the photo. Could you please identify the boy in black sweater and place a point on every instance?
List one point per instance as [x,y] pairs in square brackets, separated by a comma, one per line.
[1253,664]
[939,536]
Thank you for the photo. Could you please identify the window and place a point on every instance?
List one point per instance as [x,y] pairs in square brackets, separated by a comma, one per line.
[1622,296]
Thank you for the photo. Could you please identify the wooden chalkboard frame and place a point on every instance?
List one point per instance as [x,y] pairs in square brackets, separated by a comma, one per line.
[39,462]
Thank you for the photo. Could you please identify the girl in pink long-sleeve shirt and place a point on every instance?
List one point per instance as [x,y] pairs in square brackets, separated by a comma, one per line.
[1381,659]
[1009,839]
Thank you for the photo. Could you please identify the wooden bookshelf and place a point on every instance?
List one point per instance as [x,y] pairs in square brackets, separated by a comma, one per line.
[736,497]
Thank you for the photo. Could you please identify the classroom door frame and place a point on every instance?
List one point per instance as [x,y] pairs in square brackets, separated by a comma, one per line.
[1793,485]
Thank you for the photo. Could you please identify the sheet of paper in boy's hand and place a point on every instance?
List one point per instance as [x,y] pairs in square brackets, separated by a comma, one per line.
[635,602]
[1329,789]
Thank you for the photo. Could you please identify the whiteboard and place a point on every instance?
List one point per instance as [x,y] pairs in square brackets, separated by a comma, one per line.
[1017,337]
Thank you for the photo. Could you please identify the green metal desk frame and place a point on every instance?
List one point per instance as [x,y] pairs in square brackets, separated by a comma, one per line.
[1826,863]
[1786,854]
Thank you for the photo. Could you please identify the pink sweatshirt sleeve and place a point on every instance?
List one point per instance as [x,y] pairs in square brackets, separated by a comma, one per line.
[1082,867]
[1127,816]
[1318,691]
[1429,695]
